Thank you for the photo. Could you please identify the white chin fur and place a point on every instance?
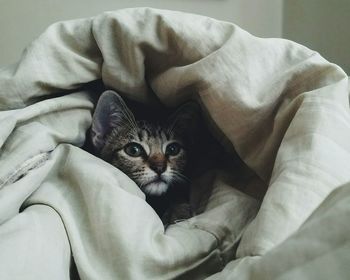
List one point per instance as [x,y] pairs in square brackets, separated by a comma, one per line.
[156,188]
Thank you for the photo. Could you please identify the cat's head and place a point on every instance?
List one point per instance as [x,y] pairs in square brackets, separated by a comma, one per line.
[154,155]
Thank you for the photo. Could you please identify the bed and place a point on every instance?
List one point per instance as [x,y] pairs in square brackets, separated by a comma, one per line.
[284,109]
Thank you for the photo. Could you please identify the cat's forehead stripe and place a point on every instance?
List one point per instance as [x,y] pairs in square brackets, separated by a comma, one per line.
[151,137]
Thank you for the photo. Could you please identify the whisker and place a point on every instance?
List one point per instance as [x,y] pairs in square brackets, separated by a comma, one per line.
[180,176]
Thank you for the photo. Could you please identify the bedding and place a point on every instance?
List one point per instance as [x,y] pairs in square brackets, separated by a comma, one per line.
[65,214]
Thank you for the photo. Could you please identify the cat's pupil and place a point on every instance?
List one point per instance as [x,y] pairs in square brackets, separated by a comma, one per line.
[134,149]
[173,149]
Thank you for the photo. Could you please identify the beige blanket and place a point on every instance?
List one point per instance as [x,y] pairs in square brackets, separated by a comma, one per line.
[283,108]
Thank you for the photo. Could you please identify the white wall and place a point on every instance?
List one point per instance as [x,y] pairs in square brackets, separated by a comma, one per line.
[322,25]
[23,20]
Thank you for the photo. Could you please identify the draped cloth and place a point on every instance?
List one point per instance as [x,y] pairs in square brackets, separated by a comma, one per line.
[281,106]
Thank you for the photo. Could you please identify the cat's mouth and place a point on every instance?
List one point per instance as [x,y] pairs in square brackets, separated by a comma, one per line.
[156,187]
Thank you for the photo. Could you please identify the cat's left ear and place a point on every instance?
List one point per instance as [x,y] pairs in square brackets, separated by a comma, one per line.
[186,119]
[110,112]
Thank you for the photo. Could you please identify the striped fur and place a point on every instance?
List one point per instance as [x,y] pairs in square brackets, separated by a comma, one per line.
[153,138]
[155,171]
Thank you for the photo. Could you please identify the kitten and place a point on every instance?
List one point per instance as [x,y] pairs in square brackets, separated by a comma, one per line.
[154,154]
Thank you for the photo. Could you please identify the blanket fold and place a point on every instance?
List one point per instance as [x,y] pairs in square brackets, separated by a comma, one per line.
[282,107]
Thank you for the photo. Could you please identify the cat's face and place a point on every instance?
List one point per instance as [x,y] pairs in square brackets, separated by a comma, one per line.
[153,155]
[149,154]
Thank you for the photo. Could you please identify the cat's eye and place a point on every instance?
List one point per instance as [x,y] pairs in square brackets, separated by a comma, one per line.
[134,150]
[173,149]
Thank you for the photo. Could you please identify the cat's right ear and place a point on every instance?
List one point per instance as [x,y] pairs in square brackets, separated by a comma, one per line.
[110,112]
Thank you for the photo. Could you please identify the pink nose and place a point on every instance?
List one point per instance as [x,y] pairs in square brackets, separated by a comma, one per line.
[157,163]
[159,169]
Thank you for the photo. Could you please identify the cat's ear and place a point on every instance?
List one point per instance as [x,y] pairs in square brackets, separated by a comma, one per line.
[110,112]
[186,119]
